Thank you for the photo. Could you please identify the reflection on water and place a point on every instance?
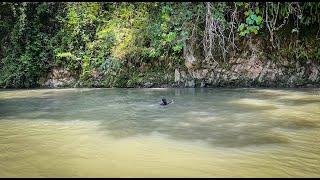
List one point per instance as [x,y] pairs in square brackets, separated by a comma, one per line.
[125,133]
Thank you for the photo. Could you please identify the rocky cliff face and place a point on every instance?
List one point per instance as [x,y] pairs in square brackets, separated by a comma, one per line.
[59,77]
[251,72]
[253,69]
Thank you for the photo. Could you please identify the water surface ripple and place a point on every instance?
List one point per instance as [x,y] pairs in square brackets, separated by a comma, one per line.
[243,132]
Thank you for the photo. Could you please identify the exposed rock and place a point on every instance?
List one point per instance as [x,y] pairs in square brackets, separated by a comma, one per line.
[190,64]
[254,70]
[59,77]
[251,68]
[314,75]
[183,75]
[176,75]
[190,60]
[202,84]
[200,73]
[96,75]
[190,83]
[147,84]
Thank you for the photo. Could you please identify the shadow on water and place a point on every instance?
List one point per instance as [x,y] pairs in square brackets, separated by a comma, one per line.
[300,102]
[197,114]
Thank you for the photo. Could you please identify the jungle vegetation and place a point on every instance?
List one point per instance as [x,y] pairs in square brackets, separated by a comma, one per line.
[126,42]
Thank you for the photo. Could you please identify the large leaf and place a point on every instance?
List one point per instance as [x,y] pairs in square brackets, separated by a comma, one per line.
[171,36]
[257,10]
[249,21]
[259,20]
[253,17]
[241,27]
[177,48]
[242,33]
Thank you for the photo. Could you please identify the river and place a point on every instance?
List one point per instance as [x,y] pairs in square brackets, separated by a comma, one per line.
[241,132]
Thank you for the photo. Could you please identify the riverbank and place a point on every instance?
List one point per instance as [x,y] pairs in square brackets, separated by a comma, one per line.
[129,45]
[240,72]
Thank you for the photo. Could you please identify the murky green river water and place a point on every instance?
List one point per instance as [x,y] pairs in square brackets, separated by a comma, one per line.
[125,133]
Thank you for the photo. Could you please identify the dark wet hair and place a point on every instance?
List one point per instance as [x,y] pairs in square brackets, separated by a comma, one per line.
[164,101]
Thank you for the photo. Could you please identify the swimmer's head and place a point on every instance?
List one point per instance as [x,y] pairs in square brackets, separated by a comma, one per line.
[164,101]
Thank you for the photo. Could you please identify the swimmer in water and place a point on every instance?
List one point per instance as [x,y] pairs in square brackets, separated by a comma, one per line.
[164,102]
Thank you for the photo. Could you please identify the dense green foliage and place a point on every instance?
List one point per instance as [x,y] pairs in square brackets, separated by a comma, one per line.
[124,42]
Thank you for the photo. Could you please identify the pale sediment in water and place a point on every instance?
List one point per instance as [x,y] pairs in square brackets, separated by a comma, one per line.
[124,133]
[39,92]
